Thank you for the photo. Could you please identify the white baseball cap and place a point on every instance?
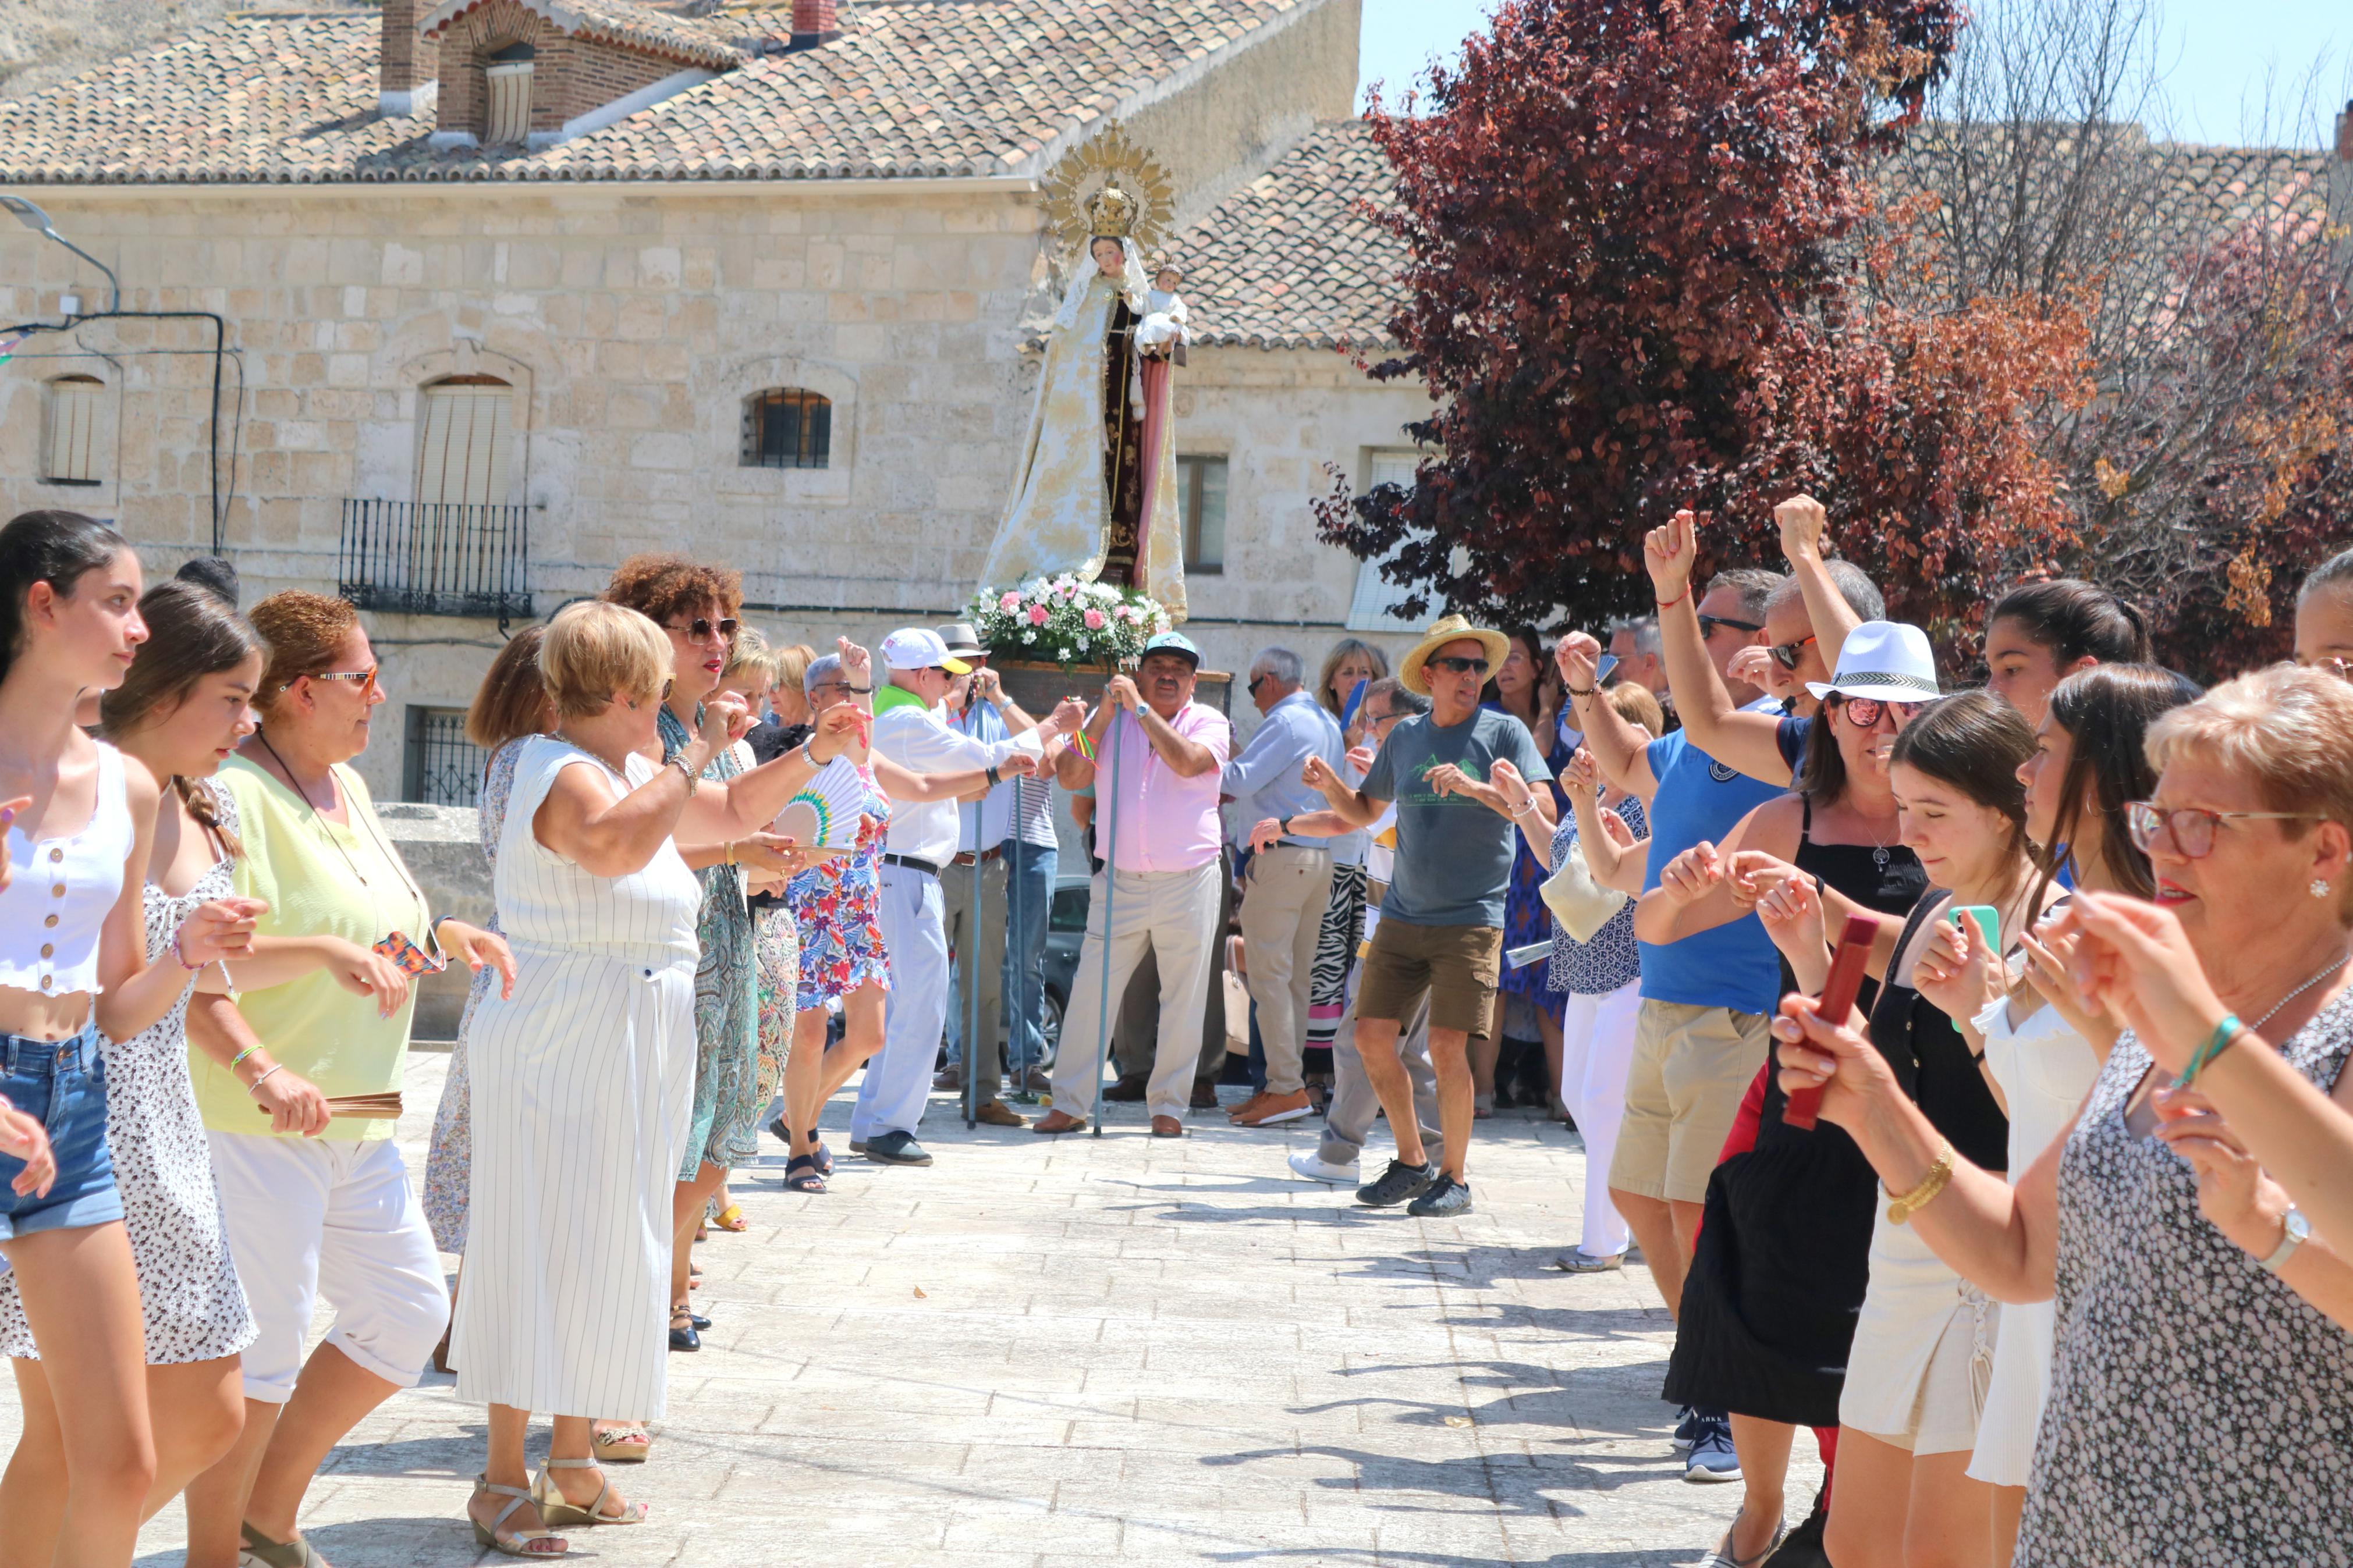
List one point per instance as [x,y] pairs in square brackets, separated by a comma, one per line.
[1890,660]
[919,647]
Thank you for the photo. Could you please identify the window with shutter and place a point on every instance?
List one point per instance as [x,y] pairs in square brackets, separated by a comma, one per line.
[464,432]
[1201,502]
[1373,608]
[506,79]
[70,457]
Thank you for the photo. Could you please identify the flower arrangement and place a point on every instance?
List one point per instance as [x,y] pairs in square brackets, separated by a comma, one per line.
[1067,620]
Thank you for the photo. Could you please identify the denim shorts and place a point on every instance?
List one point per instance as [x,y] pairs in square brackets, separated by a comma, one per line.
[63,1083]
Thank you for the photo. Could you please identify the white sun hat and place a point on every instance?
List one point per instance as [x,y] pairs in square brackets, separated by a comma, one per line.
[1887,659]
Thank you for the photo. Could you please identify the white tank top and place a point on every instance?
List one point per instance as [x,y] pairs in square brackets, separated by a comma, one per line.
[60,891]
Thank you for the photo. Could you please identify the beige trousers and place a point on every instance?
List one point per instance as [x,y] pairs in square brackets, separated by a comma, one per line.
[1283,920]
[1172,916]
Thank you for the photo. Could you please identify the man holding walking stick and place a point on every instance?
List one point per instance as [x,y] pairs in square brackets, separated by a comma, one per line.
[1159,756]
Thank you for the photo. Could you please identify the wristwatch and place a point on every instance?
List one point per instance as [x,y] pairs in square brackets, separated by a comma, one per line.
[2296,1228]
[1282,826]
[990,774]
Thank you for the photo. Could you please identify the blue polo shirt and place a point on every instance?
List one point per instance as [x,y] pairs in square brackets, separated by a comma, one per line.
[1734,965]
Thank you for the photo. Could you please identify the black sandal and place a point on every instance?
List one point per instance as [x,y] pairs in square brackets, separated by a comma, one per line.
[803,1176]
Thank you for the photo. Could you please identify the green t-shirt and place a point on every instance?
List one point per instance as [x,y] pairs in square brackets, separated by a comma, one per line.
[319,877]
[1453,855]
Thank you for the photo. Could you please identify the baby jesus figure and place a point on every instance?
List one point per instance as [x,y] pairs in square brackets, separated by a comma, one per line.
[1166,327]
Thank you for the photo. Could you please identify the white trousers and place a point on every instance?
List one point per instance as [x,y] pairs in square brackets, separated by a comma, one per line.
[1597,1046]
[1172,915]
[1283,922]
[899,1078]
[310,1217]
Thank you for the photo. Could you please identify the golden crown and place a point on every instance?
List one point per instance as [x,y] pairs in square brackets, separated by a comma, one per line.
[1112,213]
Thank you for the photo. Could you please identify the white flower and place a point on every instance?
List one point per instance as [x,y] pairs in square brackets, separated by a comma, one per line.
[1028,635]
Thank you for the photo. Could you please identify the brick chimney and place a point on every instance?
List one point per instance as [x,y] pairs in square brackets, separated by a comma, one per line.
[814,23]
[407,65]
[2345,135]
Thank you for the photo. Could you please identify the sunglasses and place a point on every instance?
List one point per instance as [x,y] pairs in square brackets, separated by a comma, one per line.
[2188,831]
[1708,623]
[1864,711]
[1787,654]
[367,678]
[699,628]
[1459,665]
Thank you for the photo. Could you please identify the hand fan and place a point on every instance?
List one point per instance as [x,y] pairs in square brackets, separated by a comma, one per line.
[824,814]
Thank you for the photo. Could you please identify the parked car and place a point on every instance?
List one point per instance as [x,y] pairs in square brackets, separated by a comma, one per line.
[1066,932]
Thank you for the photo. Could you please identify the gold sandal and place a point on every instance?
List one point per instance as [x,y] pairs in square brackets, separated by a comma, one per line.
[524,1545]
[555,1510]
[622,1445]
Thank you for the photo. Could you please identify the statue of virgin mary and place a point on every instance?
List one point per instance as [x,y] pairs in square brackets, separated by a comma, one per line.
[1095,490]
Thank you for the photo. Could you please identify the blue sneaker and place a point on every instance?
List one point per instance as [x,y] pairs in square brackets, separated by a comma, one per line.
[1686,1423]
[1711,1458]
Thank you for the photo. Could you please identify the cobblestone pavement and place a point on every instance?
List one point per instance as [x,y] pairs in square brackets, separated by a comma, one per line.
[1051,1353]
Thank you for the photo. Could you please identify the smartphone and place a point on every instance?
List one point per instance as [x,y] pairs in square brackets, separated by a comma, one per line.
[408,957]
[1847,965]
[1988,920]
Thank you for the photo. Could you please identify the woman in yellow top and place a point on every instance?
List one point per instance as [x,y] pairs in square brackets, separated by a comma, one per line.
[315,1205]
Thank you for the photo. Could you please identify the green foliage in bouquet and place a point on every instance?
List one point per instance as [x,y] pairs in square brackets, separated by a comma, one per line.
[1066,620]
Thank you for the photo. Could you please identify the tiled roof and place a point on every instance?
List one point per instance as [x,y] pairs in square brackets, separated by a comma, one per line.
[623,22]
[1289,260]
[912,88]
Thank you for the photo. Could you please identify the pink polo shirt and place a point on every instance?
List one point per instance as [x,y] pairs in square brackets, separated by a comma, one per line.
[1165,823]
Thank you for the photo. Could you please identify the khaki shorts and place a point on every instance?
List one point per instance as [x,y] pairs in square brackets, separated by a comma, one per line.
[1459,966]
[1691,1068]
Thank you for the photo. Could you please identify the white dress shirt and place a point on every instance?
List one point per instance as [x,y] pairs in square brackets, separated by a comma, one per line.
[918,739]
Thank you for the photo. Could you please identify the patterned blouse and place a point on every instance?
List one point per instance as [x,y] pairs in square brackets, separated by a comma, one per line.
[1610,960]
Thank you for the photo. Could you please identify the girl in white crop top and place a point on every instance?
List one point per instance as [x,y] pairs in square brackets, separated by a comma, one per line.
[73,962]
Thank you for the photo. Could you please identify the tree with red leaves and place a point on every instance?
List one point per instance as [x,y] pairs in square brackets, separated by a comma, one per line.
[1643,235]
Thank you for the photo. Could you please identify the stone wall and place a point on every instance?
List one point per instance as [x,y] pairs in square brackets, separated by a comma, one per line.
[443,848]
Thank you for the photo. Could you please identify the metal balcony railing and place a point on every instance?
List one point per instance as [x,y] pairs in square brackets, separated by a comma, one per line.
[436,558]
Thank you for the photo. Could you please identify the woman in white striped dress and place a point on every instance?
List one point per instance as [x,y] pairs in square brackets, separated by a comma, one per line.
[582,1082]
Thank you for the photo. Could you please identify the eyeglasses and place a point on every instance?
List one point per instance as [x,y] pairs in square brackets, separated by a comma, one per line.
[1787,654]
[1375,721]
[2188,831]
[1863,712]
[367,678]
[699,628]
[1707,625]
[1459,665]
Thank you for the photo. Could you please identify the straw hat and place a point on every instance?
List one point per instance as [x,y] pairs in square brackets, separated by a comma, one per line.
[1450,628]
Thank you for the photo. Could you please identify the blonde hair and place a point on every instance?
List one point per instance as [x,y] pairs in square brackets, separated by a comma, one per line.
[594,649]
[1331,662]
[792,662]
[750,651]
[1637,705]
[2287,729]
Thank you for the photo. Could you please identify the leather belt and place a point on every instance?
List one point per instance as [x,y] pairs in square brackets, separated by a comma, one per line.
[968,858]
[911,864]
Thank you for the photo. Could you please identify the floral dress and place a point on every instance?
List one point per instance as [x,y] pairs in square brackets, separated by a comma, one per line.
[449,1158]
[189,1296]
[726,1130]
[838,903]
[1525,919]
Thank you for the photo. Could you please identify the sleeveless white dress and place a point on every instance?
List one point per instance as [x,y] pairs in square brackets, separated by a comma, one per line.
[2044,1068]
[581,1087]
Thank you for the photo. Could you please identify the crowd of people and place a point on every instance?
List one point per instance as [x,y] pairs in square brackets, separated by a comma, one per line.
[2046,1244]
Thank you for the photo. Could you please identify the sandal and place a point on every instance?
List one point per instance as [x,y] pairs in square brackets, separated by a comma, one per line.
[555,1510]
[490,1535]
[627,1445]
[824,1158]
[801,1175]
[730,1219]
[294,1552]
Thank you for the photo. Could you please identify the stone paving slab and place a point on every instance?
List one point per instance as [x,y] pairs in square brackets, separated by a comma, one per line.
[1043,1354]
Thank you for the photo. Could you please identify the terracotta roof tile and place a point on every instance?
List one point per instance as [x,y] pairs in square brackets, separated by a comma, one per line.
[711,43]
[912,88]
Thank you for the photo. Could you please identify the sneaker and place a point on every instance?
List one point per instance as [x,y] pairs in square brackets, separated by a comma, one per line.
[1711,1458]
[1269,1109]
[1316,1168]
[1686,1429]
[1446,1199]
[1576,1260]
[1398,1184]
[896,1149]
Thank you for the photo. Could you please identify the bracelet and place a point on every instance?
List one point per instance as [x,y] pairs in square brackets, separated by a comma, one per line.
[2225,1036]
[256,1083]
[1573,691]
[240,1056]
[990,774]
[1939,1175]
[1524,807]
[730,847]
[675,761]
[182,956]
[1679,599]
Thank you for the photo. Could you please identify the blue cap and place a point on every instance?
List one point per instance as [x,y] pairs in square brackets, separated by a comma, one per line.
[1174,642]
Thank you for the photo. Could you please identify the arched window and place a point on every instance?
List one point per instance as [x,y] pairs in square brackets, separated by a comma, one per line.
[787,427]
[506,82]
[465,428]
[70,455]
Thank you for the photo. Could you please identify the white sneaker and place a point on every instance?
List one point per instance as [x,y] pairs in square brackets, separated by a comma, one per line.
[1316,1168]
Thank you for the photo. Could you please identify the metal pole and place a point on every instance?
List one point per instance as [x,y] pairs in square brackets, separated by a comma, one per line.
[1111,882]
[972,1000]
[1016,958]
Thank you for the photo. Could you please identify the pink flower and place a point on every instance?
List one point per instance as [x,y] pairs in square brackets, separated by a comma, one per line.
[1094,620]
[1010,603]
[1036,614]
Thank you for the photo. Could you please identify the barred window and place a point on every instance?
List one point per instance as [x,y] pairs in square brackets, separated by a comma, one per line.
[442,767]
[787,427]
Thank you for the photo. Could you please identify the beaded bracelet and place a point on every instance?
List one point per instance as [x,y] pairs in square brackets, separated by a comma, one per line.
[180,954]
[1901,1210]
[2225,1035]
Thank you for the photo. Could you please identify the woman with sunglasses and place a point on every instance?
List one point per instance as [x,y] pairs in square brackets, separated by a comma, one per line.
[2194,1310]
[1781,1264]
